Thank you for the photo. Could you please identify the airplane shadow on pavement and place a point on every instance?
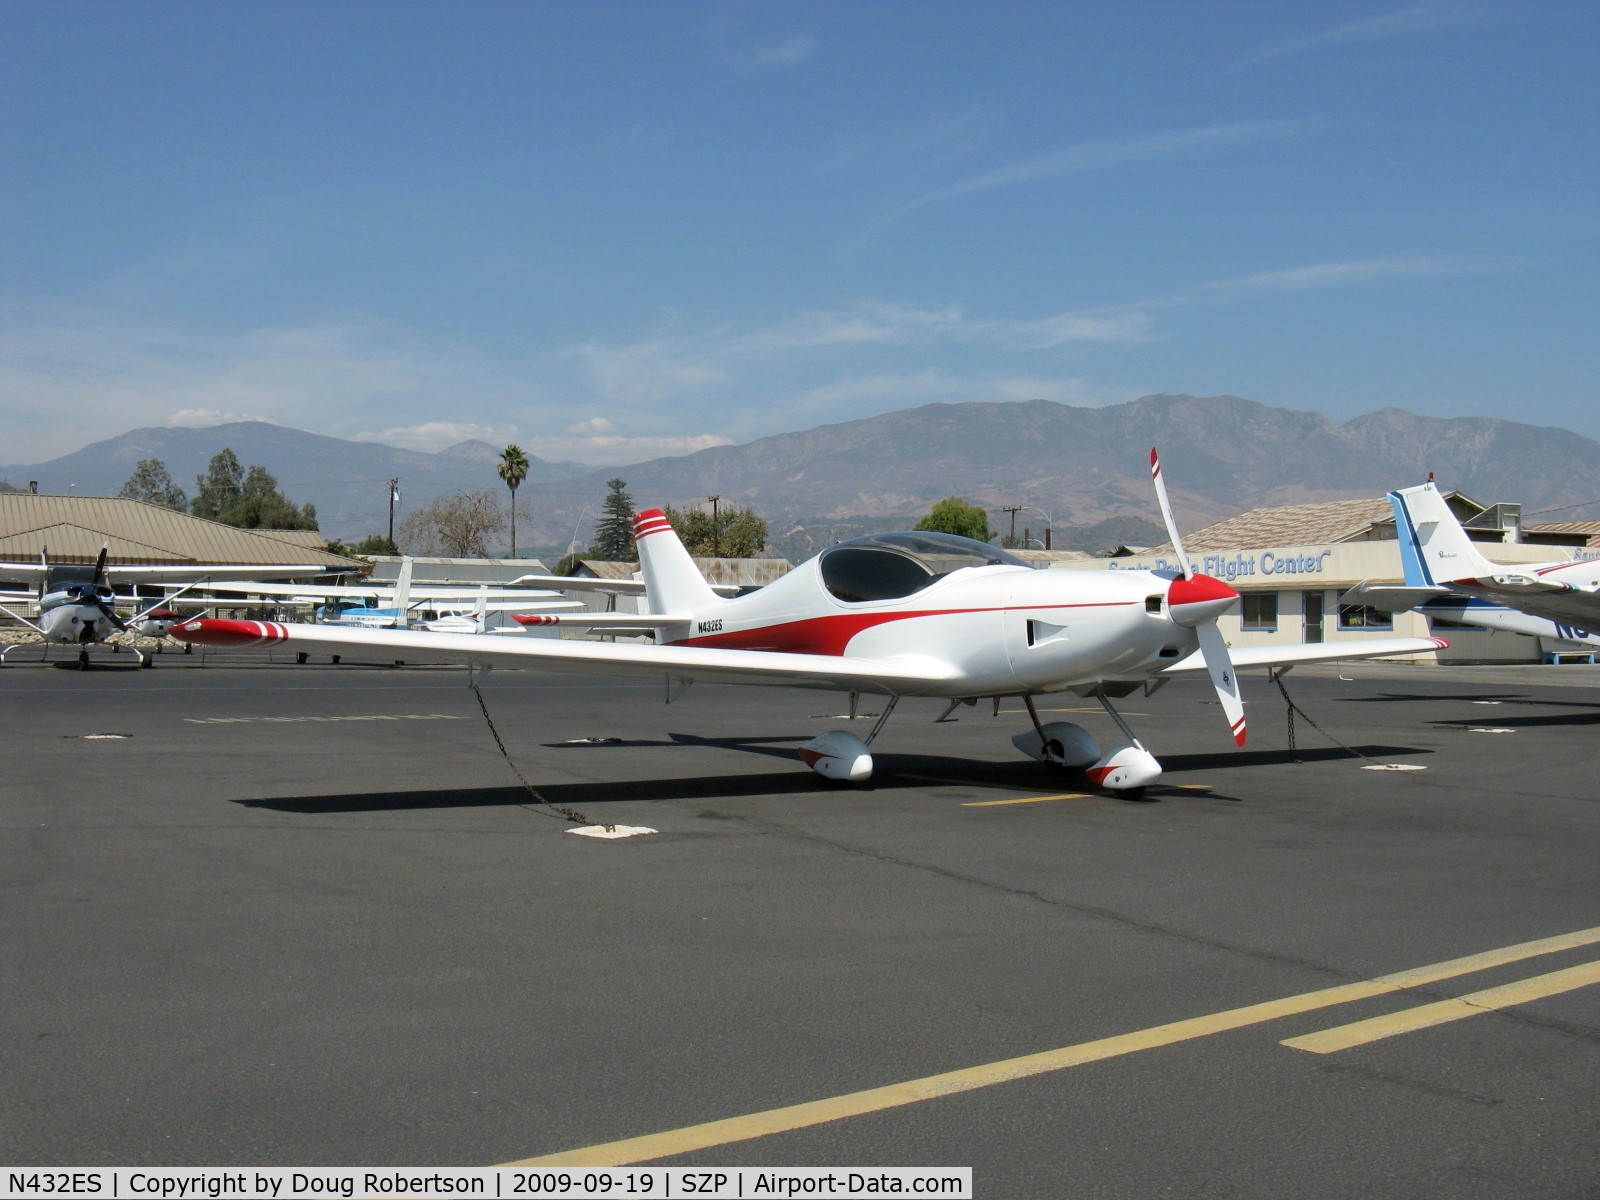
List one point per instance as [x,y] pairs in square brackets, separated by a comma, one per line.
[895,772]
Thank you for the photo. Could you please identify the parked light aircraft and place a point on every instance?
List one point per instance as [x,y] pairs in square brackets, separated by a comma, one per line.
[390,605]
[896,614]
[1447,576]
[77,604]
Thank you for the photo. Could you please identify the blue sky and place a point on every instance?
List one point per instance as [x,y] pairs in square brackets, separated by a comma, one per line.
[608,231]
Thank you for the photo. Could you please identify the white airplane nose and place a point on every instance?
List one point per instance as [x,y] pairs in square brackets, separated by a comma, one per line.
[1198,598]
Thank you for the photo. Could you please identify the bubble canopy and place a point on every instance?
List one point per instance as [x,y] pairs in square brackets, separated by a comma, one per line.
[888,566]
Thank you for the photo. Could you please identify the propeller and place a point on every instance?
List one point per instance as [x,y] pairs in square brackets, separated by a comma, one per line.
[1195,601]
[90,593]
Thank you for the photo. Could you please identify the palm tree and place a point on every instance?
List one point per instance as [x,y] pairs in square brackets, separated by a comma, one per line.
[513,469]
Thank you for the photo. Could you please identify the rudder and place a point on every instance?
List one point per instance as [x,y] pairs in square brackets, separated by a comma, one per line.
[672,583]
[1434,548]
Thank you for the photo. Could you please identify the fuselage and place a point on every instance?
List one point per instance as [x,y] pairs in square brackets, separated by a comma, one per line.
[68,612]
[1004,629]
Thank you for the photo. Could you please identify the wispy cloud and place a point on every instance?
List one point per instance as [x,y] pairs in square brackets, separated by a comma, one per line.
[1427,17]
[617,449]
[1346,274]
[1177,145]
[70,370]
[749,55]
[201,418]
[689,362]
[791,50]
[437,435]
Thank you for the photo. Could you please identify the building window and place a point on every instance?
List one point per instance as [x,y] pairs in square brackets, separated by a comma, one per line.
[1258,610]
[1364,616]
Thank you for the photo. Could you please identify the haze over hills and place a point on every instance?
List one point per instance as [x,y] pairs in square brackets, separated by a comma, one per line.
[1086,467]
[347,481]
[1083,466]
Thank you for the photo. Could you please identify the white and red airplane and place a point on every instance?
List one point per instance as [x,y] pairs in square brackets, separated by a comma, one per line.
[894,614]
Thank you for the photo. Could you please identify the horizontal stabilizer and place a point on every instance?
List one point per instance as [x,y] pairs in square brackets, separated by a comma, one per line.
[609,620]
[1392,598]
[621,587]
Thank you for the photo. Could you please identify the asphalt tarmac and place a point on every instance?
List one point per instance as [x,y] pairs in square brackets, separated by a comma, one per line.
[307,915]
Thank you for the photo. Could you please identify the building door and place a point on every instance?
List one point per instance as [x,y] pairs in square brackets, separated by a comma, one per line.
[1311,605]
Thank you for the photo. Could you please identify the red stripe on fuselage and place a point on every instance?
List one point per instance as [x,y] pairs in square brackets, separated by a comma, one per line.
[831,635]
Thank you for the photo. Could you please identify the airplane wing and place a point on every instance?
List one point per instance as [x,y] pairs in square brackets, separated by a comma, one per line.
[622,587]
[900,675]
[1392,598]
[339,591]
[175,573]
[1289,655]
[1563,603]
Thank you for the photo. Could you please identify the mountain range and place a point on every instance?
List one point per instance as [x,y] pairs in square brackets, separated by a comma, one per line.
[1087,468]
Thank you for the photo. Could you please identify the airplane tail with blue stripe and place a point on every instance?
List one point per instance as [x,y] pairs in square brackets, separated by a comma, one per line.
[1434,548]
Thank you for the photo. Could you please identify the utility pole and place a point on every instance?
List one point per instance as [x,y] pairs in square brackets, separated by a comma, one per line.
[1011,539]
[716,532]
[394,494]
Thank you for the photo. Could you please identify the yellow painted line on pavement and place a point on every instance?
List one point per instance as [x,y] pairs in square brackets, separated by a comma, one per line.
[1358,1033]
[1025,800]
[1093,708]
[817,1112]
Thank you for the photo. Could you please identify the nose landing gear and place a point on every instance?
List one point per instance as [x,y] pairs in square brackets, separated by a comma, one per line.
[1127,771]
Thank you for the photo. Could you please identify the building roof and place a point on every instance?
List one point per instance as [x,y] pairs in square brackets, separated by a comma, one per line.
[1290,525]
[737,572]
[74,528]
[743,572]
[601,569]
[1045,559]
[1578,532]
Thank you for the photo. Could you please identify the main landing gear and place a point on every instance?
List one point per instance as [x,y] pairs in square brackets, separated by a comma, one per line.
[843,756]
[1061,744]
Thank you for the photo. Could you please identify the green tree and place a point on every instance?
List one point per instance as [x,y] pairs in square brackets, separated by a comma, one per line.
[513,469]
[376,543]
[247,499]
[954,515]
[269,510]
[220,487]
[455,526]
[368,548]
[151,483]
[613,532]
[569,564]
[736,533]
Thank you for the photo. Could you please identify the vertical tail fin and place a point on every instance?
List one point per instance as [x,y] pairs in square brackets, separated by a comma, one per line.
[1434,549]
[402,594]
[672,583]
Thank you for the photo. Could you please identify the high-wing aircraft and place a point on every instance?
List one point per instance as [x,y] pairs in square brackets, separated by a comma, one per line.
[1447,576]
[386,605]
[77,604]
[895,614]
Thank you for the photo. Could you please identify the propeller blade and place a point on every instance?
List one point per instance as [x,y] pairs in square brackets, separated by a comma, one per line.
[1166,512]
[1219,665]
[111,614]
[100,565]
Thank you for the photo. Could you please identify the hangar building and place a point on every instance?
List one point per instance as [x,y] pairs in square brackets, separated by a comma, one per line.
[74,528]
[1292,566]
